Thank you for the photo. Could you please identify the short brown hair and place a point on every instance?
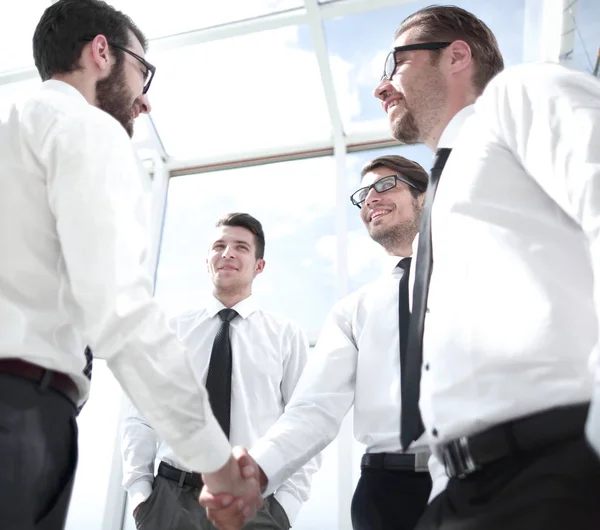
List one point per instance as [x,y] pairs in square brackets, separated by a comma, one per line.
[245,220]
[405,167]
[450,23]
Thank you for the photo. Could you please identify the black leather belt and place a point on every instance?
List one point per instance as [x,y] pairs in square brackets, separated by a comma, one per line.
[468,454]
[179,476]
[395,461]
[56,381]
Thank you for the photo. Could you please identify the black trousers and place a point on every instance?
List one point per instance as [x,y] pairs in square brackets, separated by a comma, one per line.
[556,488]
[38,455]
[389,500]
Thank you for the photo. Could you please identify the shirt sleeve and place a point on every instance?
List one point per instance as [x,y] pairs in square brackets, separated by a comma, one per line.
[96,195]
[549,117]
[298,485]
[139,444]
[321,399]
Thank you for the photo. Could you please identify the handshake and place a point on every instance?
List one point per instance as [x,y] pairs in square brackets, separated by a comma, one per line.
[233,494]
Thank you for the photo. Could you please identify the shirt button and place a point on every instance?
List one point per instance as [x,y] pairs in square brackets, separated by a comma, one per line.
[427,367]
[434,432]
[427,310]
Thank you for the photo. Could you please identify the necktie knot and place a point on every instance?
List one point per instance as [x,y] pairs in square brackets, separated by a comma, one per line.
[404,264]
[227,315]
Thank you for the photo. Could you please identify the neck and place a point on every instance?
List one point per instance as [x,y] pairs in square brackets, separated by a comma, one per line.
[85,85]
[231,298]
[404,251]
[454,107]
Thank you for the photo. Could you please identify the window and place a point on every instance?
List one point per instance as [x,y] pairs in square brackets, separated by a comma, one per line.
[293,200]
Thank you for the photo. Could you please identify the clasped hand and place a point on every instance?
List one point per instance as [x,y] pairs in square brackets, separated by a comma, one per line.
[232,495]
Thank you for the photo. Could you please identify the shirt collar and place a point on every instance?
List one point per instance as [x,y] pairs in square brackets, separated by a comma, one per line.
[63,88]
[452,130]
[390,263]
[244,308]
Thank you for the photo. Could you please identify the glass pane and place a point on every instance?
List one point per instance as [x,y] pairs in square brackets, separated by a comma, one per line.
[586,49]
[357,64]
[98,429]
[236,95]
[365,257]
[16,32]
[184,15]
[295,203]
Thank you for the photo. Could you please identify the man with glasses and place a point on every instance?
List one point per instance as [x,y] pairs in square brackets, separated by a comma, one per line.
[503,339]
[73,237]
[359,360]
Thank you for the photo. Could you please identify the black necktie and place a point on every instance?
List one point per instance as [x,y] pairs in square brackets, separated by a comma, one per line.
[412,424]
[89,359]
[218,380]
[403,320]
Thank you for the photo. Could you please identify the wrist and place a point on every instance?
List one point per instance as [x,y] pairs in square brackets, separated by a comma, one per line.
[262,479]
[223,479]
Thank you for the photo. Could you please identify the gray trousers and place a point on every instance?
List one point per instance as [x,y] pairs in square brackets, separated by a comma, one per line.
[171,507]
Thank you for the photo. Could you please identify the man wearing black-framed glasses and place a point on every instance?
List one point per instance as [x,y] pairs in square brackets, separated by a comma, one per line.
[503,373]
[358,361]
[73,236]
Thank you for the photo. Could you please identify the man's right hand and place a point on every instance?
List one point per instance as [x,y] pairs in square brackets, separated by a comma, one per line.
[232,495]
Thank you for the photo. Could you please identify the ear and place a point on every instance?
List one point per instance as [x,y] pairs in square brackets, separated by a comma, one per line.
[100,53]
[460,56]
[259,267]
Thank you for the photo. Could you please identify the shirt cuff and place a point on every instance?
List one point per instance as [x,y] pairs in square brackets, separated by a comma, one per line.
[290,504]
[439,477]
[592,428]
[271,461]
[207,451]
[138,492]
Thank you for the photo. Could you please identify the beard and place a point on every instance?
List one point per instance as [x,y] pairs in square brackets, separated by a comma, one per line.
[426,108]
[113,97]
[400,235]
[405,128]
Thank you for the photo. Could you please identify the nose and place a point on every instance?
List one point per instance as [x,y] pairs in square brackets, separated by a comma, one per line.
[383,90]
[227,252]
[144,103]
[372,197]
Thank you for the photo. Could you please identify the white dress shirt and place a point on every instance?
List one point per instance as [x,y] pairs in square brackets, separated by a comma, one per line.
[74,235]
[356,361]
[269,354]
[512,326]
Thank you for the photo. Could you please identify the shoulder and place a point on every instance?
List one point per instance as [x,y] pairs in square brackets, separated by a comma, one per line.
[74,121]
[538,79]
[278,323]
[353,303]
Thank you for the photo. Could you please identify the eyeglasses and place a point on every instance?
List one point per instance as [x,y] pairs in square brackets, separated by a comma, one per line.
[390,60]
[150,69]
[382,185]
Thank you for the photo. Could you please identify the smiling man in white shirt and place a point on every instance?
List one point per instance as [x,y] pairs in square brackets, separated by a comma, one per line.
[358,361]
[73,234]
[267,354]
[507,276]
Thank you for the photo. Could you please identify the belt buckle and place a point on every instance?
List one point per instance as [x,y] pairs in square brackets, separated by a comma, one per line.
[458,460]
